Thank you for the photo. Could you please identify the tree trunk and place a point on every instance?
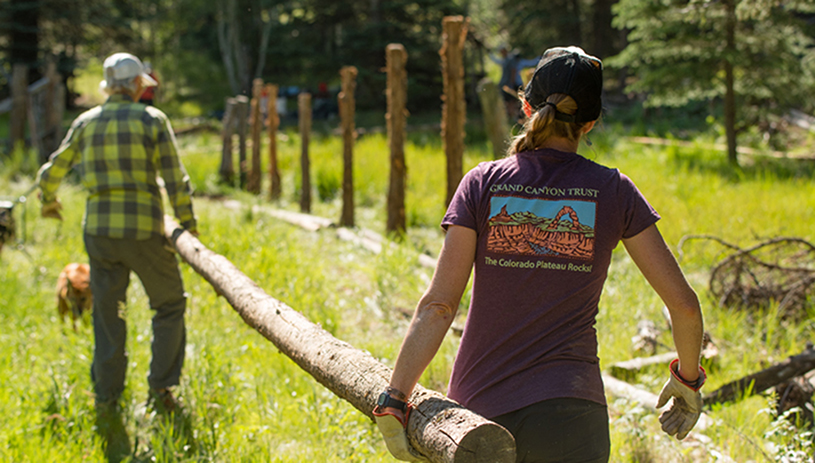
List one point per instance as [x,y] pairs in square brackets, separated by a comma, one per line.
[454,110]
[396,56]
[19,102]
[225,42]
[242,113]
[730,93]
[227,170]
[439,429]
[604,33]
[347,111]
[24,34]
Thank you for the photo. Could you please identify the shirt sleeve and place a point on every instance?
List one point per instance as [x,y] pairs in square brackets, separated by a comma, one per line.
[638,212]
[463,207]
[176,180]
[59,164]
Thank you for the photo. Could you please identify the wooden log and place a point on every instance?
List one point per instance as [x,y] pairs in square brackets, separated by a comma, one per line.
[304,114]
[495,116]
[439,429]
[227,170]
[396,57]
[347,110]
[454,108]
[760,381]
[629,368]
[273,124]
[19,112]
[253,183]
[242,113]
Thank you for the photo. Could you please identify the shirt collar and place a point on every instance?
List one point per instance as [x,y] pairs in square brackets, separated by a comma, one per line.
[119,98]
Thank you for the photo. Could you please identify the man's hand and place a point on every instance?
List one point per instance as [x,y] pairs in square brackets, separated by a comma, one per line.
[391,423]
[51,210]
[684,412]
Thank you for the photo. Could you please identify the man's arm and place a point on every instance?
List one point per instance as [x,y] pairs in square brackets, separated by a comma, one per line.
[176,180]
[59,163]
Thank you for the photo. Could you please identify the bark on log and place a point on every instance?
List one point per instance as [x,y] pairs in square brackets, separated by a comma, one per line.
[439,429]
[758,382]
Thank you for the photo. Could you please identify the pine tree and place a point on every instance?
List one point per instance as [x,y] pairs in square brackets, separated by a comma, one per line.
[755,55]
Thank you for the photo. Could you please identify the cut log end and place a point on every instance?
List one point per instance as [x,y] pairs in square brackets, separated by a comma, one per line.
[487,443]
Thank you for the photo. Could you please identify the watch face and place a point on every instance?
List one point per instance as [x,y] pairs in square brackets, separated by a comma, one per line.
[383,398]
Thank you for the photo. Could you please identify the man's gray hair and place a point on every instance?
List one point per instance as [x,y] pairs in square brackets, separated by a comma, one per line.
[111,86]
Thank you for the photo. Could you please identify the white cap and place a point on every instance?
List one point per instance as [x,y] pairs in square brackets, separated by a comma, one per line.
[124,66]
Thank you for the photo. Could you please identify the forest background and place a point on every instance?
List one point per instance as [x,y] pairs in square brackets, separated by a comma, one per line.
[711,73]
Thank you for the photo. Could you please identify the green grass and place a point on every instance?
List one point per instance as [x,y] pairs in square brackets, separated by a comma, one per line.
[247,402]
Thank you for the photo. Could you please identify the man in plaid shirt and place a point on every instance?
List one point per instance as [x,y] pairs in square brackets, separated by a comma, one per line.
[119,148]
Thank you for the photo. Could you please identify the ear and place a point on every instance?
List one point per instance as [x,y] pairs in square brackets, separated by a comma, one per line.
[587,128]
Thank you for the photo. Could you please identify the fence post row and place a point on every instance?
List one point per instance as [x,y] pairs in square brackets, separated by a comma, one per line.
[227,170]
[274,123]
[495,116]
[242,107]
[304,111]
[347,110]
[454,107]
[396,57]
[19,111]
[253,185]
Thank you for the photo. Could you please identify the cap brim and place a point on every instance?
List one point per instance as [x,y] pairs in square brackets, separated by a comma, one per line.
[148,81]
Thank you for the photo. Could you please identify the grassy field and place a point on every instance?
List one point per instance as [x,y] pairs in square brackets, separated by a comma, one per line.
[244,401]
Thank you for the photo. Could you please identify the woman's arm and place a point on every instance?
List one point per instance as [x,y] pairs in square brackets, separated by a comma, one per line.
[658,265]
[436,309]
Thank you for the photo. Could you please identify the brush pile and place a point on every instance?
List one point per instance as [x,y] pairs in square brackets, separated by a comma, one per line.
[6,222]
[780,270]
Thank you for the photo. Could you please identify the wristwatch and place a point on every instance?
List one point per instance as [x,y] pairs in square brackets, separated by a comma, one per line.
[385,400]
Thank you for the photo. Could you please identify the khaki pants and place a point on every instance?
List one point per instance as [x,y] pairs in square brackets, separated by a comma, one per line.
[111,261]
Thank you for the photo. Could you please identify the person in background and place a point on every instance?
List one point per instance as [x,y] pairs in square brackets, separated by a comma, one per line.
[539,228]
[149,94]
[119,149]
[511,82]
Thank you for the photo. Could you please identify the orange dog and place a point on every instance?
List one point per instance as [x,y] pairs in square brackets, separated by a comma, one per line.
[74,292]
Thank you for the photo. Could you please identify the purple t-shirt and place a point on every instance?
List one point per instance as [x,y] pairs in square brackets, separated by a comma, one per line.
[547,222]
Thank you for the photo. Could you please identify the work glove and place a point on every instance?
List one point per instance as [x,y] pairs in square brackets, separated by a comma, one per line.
[51,210]
[684,412]
[392,428]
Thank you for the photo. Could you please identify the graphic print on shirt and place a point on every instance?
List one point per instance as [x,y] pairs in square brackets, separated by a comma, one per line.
[542,227]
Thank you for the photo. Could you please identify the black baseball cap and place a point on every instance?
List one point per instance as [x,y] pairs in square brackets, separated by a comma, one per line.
[568,70]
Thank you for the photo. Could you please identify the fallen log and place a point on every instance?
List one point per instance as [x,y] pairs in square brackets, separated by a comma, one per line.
[439,429]
[796,365]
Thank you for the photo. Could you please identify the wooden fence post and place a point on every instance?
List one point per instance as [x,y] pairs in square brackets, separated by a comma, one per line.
[304,111]
[454,110]
[347,111]
[242,106]
[227,170]
[19,112]
[396,57]
[253,185]
[439,429]
[274,123]
[495,116]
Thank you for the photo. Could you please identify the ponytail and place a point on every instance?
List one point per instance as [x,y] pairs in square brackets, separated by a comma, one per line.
[542,125]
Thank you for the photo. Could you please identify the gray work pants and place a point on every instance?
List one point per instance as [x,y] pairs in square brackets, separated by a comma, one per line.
[111,261]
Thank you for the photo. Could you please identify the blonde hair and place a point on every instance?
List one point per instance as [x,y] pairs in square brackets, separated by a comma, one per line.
[542,125]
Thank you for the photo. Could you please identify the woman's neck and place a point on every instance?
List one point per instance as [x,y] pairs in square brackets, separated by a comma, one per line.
[560,144]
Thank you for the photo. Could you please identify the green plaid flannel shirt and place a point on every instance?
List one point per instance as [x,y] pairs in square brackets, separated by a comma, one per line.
[119,148]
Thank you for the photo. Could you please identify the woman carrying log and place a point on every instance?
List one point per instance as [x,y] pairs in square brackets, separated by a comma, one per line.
[539,227]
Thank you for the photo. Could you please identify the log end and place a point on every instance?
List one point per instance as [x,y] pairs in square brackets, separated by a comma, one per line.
[488,443]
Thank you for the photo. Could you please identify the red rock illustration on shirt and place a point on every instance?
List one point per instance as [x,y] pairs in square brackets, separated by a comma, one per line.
[531,233]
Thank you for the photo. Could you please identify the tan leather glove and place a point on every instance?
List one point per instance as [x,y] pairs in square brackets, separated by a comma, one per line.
[687,404]
[51,210]
[392,428]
